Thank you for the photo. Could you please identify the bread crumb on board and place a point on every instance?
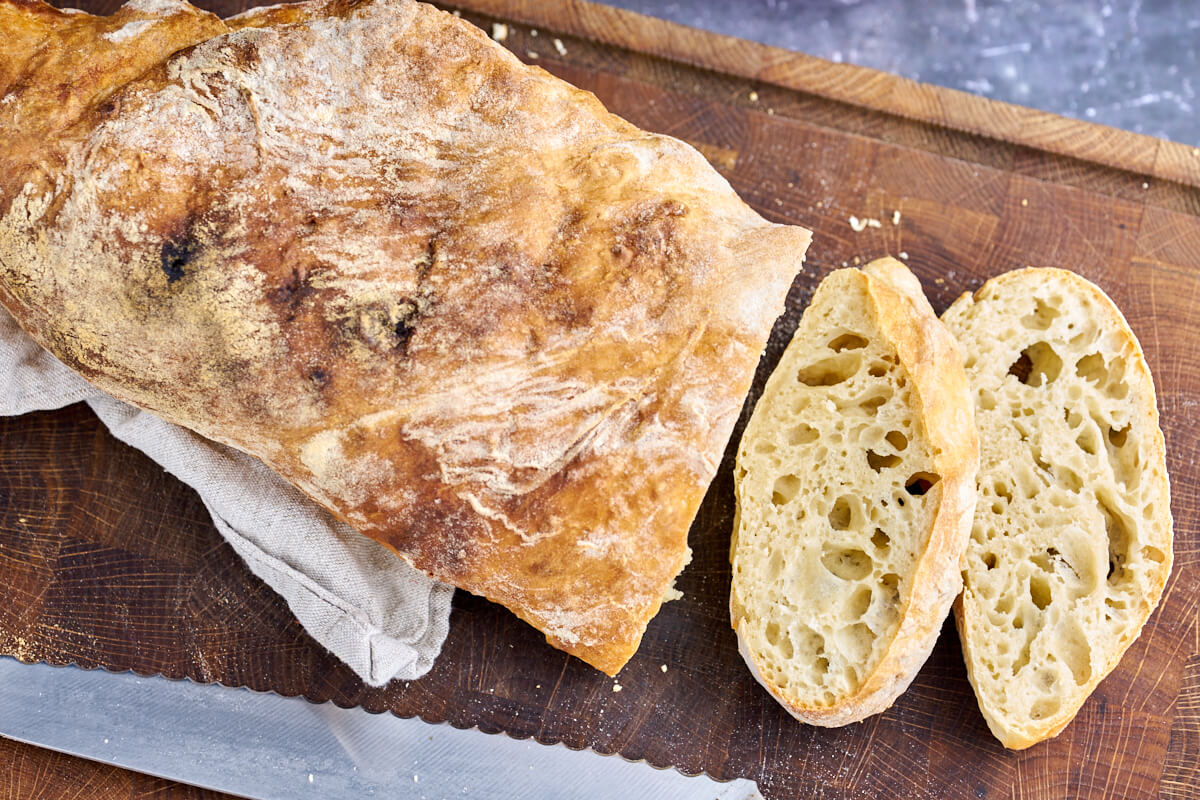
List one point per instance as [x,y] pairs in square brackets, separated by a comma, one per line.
[896,217]
[560,47]
[617,687]
[532,55]
[663,667]
[499,31]
[753,97]
[860,225]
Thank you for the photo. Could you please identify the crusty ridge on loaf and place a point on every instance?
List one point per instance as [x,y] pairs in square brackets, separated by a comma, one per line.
[447,295]
[855,492]
[1071,544]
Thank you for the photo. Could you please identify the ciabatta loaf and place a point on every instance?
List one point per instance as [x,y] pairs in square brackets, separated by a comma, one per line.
[855,489]
[447,295]
[1071,544]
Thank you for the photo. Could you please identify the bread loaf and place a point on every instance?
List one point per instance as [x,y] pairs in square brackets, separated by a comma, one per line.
[855,486]
[1071,544]
[447,295]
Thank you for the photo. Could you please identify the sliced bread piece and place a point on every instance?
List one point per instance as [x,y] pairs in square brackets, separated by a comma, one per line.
[855,488]
[1071,544]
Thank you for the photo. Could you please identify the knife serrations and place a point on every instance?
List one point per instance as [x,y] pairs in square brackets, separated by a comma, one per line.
[262,745]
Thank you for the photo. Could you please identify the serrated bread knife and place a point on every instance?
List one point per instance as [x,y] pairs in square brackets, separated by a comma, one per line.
[263,745]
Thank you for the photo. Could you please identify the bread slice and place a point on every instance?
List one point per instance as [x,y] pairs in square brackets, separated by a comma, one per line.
[1071,545]
[855,492]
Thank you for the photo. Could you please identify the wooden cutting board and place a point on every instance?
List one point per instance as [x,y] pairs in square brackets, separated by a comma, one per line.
[108,562]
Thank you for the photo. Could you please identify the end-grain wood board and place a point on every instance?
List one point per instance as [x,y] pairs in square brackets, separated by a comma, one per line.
[108,562]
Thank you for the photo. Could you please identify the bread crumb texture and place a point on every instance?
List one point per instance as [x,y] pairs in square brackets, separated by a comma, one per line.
[1071,544]
[838,492]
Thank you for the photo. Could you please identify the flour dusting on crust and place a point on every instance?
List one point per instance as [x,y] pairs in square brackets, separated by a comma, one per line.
[447,295]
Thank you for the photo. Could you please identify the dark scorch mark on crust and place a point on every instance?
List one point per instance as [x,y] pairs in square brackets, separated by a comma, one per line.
[176,255]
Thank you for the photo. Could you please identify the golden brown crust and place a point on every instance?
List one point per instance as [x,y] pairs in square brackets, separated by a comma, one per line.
[450,297]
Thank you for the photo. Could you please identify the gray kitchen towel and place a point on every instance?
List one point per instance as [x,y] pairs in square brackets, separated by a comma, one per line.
[369,608]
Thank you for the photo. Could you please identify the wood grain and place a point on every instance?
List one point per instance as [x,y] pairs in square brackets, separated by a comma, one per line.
[31,773]
[932,106]
[109,562]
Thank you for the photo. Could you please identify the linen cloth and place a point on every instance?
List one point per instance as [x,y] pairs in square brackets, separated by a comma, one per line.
[368,607]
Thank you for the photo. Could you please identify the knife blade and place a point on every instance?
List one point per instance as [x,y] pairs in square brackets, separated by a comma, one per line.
[263,745]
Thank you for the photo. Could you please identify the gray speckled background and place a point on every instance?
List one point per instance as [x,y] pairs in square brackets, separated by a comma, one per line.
[1132,65]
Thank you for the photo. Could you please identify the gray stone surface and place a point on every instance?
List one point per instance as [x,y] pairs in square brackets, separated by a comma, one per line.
[1133,64]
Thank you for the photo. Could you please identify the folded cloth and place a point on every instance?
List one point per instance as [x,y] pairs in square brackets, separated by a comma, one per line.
[369,608]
